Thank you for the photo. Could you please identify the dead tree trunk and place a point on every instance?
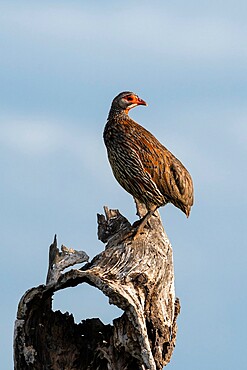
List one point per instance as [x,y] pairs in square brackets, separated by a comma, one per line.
[137,276]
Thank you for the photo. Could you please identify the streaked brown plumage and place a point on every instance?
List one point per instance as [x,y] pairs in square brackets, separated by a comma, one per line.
[141,164]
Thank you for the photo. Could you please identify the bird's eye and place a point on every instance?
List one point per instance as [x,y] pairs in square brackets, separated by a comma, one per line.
[129,98]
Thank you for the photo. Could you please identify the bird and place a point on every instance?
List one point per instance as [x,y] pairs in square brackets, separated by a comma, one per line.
[141,164]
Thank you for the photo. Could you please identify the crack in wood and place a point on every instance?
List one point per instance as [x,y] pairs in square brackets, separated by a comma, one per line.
[136,274]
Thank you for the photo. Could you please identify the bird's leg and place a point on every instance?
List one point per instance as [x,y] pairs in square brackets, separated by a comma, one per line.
[139,225]
[145,215]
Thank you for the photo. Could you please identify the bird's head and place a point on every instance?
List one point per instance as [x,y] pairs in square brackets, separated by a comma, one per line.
[126,100]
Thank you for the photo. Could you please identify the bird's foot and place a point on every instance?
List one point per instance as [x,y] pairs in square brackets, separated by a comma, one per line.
[136,230]
[139,225]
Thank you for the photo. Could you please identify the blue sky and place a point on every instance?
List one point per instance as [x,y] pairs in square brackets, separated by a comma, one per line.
[61,64]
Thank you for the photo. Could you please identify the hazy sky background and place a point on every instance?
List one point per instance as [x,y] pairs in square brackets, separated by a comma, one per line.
[61,64]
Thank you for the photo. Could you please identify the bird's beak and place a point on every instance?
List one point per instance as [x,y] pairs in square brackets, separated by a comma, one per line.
[139,101]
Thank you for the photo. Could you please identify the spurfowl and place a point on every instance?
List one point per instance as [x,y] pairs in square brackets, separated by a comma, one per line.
[141,164]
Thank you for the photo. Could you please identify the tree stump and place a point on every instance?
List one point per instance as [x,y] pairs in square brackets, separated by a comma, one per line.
[136,274]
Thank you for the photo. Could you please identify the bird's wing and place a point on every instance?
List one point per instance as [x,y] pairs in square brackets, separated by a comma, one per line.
[129,170]
[183,182]
[166,171]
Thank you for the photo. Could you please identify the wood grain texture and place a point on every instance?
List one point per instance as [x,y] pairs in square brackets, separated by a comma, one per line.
[137,276]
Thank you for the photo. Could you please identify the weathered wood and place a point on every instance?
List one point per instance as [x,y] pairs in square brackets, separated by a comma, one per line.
[137,276]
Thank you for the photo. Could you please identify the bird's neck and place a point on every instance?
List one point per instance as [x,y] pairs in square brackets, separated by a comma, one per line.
[117,113]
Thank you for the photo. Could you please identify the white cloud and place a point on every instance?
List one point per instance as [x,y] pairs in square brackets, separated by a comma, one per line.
[163,33]
[238,131]
[41,138]
[31,136]
[27,136]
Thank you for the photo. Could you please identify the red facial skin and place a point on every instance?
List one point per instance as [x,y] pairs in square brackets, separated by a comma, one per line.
[134,100]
